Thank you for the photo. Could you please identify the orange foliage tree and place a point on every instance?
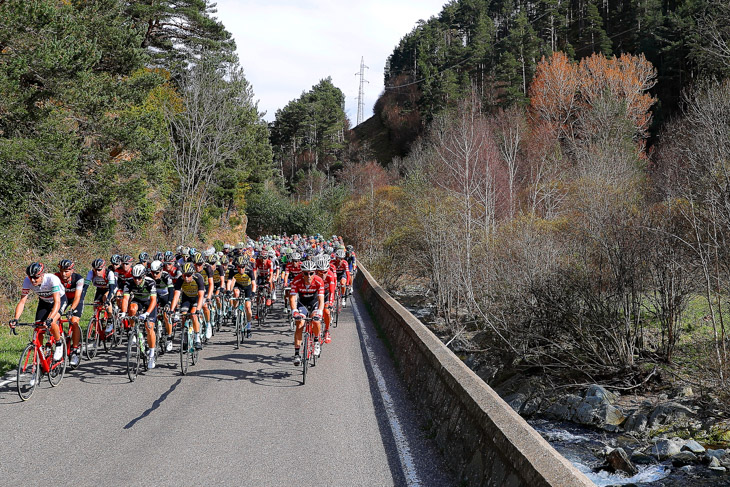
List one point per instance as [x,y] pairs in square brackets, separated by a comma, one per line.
[562,89]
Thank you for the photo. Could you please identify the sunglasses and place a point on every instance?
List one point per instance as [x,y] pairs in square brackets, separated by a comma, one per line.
[188,275]
[156,272]
[308,273]
[125,263]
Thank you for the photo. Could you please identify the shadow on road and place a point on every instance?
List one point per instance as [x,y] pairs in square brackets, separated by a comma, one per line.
[154,406]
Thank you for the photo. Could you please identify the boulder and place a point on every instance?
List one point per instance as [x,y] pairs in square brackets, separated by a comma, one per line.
[516,401]
[596,391]
[668,412]
[714,462]
[719,454]
[565,408]
[641,458]
[684,458]
[636,423]
[694,447]
[664,448]
[619,462]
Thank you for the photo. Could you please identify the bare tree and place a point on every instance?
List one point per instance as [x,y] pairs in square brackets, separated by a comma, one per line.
[203,134]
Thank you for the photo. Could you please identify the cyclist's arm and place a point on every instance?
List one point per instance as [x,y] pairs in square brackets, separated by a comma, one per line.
[320,307]
[20,306]
[56,305]
[201,294]
[78,295]
[175,299]
[211,285]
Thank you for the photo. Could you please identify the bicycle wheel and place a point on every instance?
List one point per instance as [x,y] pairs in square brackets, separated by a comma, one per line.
[58,367]
[92,339]
[29,372]
[133,355]
[239,328]
[185,349]
[305,358]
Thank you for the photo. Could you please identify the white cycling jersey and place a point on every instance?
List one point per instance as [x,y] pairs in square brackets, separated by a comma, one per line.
[49,286]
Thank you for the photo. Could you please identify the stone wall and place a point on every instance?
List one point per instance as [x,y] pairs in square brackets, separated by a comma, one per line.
[487,443]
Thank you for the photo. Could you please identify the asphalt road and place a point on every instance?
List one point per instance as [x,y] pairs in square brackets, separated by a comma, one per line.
[239,417]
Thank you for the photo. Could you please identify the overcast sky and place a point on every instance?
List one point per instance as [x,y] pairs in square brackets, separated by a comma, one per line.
[288,46]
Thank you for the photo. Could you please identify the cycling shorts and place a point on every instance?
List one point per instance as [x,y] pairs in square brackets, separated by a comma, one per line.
[44,308]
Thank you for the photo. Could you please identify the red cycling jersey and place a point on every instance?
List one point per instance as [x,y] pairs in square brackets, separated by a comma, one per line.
[307,294]
[263,267]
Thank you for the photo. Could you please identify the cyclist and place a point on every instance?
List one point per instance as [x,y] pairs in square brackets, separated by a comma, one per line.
[306,298]
[330,284]
[73,285]
[142,291]
[263,269]
[241,281]
[189,293]
[219,275]
[47,286]
[343,274]
[163,282]
[144,259]
[105,282]
[207,272]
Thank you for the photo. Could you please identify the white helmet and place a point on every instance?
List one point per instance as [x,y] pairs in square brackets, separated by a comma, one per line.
[155,266]
[139,270]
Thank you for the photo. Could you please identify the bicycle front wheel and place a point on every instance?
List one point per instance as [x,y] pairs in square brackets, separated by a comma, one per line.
[29,372]
[133,355]
[305,358]
[239,328]
[58,367]
[92,339]
[184,350]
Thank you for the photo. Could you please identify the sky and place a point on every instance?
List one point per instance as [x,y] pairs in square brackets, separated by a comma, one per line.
[287,46]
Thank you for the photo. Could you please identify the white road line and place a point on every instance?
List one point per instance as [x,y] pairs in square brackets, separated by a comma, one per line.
[401,442]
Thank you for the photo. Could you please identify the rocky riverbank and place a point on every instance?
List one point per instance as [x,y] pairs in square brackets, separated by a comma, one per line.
[637,438]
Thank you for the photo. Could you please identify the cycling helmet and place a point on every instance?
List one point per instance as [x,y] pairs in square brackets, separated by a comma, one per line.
[240,261]
[115,260]
[98,264]
[323,263]
[65,265]
[198,258]
[272,254]
[179,249]
[188,268]
[240,245]
[192,251]
[212,259]
[209,251]
[296,256]
[35,269]
[139,270]
[341,254]
[226,246]
[169,256]
[159,256]
[126,259]
[144,257]
[350,248]
[224,259]
[156,266]
[308,266]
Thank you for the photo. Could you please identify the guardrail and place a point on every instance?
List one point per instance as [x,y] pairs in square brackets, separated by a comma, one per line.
[486,441]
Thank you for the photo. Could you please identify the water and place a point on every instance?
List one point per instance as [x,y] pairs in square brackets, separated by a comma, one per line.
[578,445]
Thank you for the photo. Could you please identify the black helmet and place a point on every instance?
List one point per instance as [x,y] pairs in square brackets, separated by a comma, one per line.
[144,257]
[198,258]
[35,269]
[169,256]
[188,268]
[240,261]
[213,259]
[98,264]
[126,259]
[65,264]
[115,260]
[159,256]
[224,260]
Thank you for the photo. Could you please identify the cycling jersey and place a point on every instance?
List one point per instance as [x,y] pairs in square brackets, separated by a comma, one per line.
[192,287]
[243,279]
[330,285]
[341,268]
[294,269]
[106,279]
[142,292]
[218,271]
[164,284]
[75,284]
[307,294]
[49,286]
[263,267]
